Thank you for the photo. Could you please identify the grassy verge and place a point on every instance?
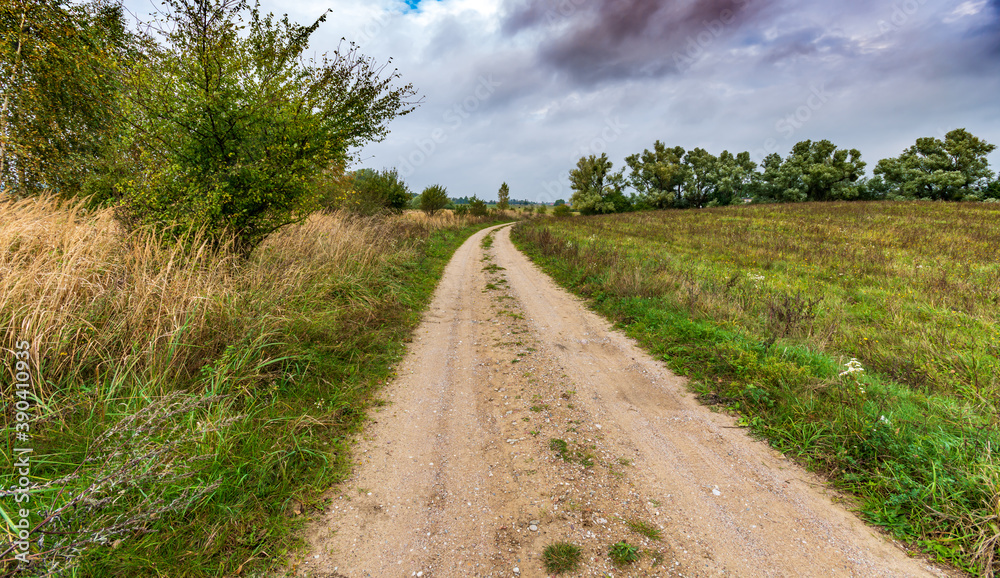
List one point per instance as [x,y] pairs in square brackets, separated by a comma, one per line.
[763,307]
[186,406]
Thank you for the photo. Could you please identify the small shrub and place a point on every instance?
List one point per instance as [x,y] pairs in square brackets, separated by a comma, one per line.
[433,199]
[478,207]
[623,553]
[461,210]
[561,557]
[374,192]
[561,211]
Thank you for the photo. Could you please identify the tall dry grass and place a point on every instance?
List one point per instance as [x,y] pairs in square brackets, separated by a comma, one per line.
[94,302]
[245,375]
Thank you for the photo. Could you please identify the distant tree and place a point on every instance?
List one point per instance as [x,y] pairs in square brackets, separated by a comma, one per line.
[237,127]
[813,171]
[822,171]
[993,189]
[371,192]
[559,203]
[734,178]
[503,196]
[775,183]
[873,189]
[702,177]
[595,189]
[947,170]
[478,207]
[659,176]
[433,199]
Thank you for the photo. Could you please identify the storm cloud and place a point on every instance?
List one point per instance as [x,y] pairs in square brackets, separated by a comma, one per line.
[612,40]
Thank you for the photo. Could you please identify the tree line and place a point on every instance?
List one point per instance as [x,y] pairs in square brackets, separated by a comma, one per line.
[951,169]
[210,116]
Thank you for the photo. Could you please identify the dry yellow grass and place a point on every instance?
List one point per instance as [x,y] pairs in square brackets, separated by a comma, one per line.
[92,301]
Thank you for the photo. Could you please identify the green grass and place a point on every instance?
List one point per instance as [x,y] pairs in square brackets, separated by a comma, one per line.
[561,557]
[645,529]
[763,306]
[623,553]
[270,364]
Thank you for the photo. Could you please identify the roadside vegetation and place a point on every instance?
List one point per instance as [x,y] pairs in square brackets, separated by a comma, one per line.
[862,339]
[244,379]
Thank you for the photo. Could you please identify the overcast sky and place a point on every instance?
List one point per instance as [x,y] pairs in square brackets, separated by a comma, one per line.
[518,90]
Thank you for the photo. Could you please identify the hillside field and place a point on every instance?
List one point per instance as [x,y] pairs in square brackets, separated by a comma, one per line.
[764,307]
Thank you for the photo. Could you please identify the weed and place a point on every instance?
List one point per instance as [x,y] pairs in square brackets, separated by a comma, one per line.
[623,553]
[562,557]
[645,528]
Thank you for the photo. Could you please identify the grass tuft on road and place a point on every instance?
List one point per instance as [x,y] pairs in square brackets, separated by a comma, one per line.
[862,339]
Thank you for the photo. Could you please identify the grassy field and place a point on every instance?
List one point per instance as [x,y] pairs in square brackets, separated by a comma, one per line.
[188,406]
[764,307]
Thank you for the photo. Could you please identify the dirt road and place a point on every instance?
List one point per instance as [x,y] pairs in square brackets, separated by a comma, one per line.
[519,419]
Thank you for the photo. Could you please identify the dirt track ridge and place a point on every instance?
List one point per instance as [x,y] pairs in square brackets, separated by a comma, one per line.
[520,418]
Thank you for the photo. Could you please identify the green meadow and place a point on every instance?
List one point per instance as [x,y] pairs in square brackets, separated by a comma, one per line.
[862,339]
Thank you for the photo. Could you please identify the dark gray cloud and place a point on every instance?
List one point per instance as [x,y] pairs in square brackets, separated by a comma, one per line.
[606,40]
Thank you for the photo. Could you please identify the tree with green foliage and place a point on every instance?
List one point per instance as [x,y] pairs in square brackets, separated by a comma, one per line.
[993,189]
[951,169]
[478,207]
[701,177]
[559,203]
[659,176]
[236,127]
[813,171]
[503,197]
[59,77]
[596,190]
[433,199]
[734,178]
[822,172]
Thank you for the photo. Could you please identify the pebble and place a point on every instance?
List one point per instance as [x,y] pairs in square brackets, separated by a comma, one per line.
[533,528]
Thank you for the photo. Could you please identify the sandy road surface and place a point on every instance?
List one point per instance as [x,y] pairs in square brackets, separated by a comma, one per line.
[460,476]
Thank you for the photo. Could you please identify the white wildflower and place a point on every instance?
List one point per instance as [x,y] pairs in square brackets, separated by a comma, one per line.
[853,366]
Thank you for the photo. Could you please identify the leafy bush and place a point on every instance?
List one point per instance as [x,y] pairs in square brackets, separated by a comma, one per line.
[562,211]
[622,553]
[478,207]
[237,128]
[433,199]
[370,192]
